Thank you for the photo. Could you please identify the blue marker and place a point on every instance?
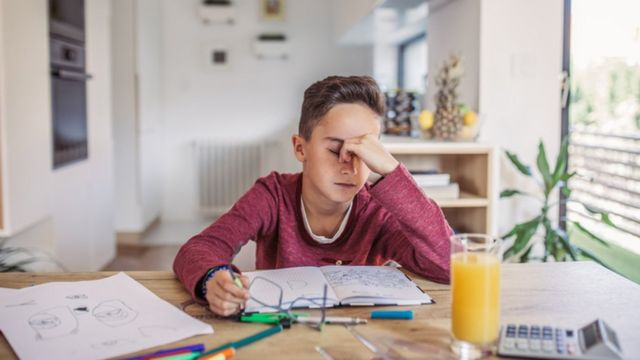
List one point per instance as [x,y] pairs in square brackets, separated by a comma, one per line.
[394,314]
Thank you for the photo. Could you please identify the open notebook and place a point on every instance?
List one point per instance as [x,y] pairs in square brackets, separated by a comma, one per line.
[347,285]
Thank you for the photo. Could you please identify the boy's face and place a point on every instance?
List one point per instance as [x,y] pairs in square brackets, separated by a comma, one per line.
[324,175]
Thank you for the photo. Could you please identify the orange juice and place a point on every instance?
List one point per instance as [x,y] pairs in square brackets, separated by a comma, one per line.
[475,290]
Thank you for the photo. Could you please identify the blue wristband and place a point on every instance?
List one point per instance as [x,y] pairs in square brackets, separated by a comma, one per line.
[208,276]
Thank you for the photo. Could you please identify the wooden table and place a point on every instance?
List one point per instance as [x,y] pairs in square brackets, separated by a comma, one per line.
[565,294]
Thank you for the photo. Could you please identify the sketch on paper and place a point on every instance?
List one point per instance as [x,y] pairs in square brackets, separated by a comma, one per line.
[25,303]
[81,310]
[92,319]
[77,297]
[369,277]
[54,323]
[297,284]
[114,313]
[109,344]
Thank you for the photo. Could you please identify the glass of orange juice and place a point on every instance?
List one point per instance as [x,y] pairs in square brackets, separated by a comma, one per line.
[475,294]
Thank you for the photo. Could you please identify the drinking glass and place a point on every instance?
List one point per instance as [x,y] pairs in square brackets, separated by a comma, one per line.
[475,294]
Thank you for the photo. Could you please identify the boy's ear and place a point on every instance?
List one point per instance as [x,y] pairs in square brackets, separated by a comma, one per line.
[298,143]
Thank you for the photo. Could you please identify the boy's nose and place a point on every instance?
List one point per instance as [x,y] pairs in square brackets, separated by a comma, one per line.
[351,166]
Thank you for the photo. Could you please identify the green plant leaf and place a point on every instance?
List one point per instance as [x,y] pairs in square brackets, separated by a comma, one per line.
[561,162]
[510,192]
[551,240]
[525,169]
[543,166]
[589,255]
[566,191]
[523,233]
[584,230]
[525,255]
[604,217]
[564,240]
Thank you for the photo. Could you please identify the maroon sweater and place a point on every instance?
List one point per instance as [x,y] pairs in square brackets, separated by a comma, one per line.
[391,220]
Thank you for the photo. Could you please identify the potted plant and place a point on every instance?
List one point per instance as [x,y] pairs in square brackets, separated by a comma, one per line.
[556,241]
[16,259]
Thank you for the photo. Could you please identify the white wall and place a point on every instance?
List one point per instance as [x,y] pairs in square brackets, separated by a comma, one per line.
[137,112]
[454,28]
[125,129]
[252,99]
[77,227]
[512,56]
[520,67]
[25,115]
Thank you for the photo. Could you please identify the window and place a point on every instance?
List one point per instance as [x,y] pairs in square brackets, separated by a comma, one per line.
[603,117]
[412,64]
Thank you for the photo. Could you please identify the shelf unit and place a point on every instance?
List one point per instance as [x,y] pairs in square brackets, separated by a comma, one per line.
[471,165]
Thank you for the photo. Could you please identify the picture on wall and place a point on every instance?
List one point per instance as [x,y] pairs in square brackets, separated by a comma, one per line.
[272,10]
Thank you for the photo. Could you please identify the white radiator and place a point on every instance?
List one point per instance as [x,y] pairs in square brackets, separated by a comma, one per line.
[225,171]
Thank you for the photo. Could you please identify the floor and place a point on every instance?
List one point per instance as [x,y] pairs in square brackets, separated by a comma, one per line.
[158,248]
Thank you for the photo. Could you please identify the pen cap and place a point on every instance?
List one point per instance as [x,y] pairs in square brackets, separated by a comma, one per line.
[396,314]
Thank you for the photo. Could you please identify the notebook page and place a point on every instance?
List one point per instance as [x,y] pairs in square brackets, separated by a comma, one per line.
[373,285]
[298,282]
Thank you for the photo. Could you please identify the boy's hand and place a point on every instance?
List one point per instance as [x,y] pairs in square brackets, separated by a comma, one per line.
[371,151]
[224,296]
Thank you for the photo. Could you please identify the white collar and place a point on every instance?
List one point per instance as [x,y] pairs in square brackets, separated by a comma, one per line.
[319,238]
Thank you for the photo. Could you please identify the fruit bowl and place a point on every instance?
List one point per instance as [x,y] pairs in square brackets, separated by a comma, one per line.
[469,131]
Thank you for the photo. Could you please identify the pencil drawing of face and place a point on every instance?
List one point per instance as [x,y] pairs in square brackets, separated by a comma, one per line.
[114,313]
[53,323]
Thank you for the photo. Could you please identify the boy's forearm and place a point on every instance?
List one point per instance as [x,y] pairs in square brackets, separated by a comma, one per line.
[420,220]
[192,262]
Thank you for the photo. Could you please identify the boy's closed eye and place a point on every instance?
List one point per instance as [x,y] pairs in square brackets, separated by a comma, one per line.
[335,152]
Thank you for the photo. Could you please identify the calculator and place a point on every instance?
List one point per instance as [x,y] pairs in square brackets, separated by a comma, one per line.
[594,341]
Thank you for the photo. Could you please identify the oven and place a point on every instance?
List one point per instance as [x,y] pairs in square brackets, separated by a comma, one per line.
[68,81]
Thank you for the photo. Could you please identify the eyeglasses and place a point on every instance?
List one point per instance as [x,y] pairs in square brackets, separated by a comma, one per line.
[283,308]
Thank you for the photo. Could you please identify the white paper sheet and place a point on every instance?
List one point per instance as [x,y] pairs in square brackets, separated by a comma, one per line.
[7,291]
[91,319]
[295,284]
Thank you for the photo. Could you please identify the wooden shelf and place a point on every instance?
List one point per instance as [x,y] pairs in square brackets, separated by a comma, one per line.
[469,164]
[466,200]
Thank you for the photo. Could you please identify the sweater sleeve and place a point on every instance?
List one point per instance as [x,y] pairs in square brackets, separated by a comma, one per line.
[416,234]
[251,216]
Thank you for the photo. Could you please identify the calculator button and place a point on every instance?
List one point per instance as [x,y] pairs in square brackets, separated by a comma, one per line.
[522,344]
[570,349]
[508,343]
[535,332]
[523,331]
[547,346]
[534,345]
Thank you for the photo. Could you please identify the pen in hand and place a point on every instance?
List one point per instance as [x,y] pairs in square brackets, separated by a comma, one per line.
[236,279]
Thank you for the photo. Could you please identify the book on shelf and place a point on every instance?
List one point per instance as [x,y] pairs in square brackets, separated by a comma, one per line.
[303,287]
[430,178]
[444,192]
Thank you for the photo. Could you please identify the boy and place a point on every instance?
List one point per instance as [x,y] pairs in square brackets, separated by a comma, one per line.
[326,214]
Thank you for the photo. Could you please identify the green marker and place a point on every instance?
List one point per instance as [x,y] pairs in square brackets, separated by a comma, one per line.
[246,341]
[188,356]
[236,279]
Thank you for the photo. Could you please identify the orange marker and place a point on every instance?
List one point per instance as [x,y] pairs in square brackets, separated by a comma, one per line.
[225,354]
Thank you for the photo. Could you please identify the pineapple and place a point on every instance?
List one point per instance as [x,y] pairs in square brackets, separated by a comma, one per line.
[448,122]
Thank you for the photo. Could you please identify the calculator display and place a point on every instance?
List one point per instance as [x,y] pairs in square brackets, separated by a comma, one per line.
[611,335]
[591,335]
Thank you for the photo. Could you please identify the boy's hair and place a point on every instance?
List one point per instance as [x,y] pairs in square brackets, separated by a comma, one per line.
[323,95]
